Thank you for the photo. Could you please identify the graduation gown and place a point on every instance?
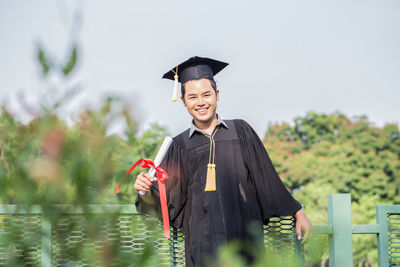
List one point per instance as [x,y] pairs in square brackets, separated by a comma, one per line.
[248,190]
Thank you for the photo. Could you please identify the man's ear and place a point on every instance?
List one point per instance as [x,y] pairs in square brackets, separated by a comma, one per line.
[217,94]
[183,101]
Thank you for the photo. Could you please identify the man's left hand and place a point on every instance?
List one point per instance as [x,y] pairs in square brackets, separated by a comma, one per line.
[302,224]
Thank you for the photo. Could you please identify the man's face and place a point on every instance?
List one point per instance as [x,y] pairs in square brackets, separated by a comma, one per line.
[200,100]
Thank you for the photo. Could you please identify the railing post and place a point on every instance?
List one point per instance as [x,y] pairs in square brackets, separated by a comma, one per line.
[381,220]
[46,242]
[340,242]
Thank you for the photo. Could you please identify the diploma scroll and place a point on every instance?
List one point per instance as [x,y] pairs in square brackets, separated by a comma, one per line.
[159,157]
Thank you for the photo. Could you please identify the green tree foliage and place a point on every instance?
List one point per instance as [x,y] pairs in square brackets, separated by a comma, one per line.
[48,161]
[330,153]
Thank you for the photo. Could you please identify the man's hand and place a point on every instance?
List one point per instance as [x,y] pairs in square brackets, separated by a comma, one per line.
[302,224]
[143,183]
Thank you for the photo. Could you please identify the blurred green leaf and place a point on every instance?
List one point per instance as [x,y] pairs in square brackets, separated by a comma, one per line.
[71,63]
[44,61]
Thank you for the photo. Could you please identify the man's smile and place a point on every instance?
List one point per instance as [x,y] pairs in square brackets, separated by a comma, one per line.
[202,110]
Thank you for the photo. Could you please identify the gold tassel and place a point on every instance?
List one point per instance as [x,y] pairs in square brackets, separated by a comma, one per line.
[210,181]
[175,92]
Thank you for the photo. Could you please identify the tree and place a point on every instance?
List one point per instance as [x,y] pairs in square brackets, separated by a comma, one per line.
[323,154]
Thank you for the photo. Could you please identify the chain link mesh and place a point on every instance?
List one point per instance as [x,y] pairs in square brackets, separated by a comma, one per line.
[279,238]
[177,247]
[393,222]
[20,239]
[129,233]
[75,243]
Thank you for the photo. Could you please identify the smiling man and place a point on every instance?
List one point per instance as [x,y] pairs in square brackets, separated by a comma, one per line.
[201,103]
[222,185]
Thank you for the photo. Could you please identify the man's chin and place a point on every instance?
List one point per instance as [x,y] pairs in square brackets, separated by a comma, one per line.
[204,119]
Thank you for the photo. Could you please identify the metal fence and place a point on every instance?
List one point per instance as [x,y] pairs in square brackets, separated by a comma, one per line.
[340,230]
[38,242]
[27,234]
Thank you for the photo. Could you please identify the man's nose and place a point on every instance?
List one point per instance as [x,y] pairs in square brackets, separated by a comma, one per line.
[200,101]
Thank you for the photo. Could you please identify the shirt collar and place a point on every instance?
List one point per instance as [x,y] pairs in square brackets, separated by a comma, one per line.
[194,128]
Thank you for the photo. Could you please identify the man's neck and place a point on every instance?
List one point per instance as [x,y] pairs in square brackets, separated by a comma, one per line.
[207,127]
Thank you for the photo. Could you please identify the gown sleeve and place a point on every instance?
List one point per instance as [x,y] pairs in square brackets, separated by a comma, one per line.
[175,188]
[273,197]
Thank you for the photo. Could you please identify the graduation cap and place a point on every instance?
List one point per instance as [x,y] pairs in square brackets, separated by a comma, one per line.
[193,69]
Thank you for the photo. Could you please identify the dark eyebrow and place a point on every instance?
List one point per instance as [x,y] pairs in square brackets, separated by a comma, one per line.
[206,92]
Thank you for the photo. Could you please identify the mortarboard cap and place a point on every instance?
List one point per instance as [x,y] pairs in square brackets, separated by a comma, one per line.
[193,69]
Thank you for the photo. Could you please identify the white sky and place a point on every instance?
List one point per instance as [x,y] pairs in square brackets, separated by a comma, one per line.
[286,57]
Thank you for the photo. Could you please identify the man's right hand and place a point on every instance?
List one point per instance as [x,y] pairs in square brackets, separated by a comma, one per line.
[143,182]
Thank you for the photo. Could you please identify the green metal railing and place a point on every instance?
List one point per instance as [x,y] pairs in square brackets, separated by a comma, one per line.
[388,217]
[46,249]
[340,231]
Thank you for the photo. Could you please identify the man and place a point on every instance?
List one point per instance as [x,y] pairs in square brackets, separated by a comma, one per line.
[222,184]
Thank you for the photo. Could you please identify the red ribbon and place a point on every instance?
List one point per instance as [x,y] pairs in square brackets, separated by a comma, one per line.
[161,177]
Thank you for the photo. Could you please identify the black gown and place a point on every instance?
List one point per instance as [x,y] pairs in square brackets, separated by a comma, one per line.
[248,190]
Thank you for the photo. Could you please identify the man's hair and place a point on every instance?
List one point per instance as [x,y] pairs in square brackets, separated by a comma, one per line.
[213,85]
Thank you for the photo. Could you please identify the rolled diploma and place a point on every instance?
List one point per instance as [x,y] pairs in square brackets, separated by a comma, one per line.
[159,157]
